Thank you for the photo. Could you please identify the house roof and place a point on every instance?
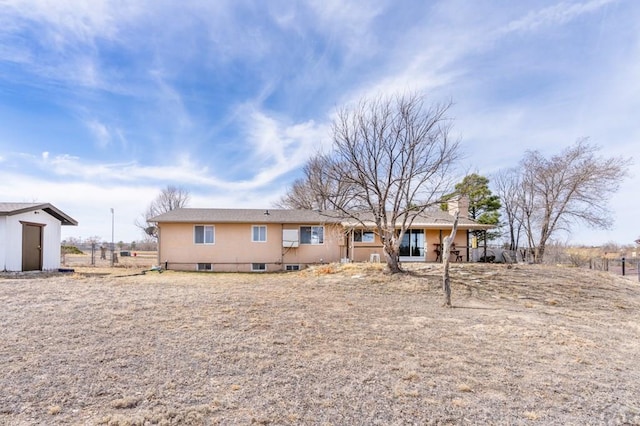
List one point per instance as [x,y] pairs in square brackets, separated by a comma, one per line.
[10,209]
[190,215]
[435,219]
[429,219]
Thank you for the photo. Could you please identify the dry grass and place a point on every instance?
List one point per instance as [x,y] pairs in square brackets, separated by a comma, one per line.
[330,345]
[142,259]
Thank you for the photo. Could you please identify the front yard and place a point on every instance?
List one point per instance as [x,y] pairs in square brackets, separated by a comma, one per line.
[330,345]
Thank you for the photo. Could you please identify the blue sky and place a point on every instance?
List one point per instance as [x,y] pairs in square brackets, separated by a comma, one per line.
[103,103]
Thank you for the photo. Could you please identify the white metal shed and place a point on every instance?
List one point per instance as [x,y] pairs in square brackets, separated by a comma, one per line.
[30,236]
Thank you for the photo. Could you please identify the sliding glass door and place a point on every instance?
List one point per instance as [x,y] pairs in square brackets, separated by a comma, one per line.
[412,245]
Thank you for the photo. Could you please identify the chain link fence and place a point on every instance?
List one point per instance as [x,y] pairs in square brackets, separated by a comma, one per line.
[628,266]
[620,266]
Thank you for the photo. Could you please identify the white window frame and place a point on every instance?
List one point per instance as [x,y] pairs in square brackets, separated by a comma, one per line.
[204,234]
[311,235]
[292,267]
[253,234]
[262,267]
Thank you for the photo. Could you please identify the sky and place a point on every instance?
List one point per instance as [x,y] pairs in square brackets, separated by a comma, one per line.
[103,103]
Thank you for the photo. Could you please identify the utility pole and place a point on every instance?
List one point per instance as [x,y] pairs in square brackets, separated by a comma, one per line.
[112,234]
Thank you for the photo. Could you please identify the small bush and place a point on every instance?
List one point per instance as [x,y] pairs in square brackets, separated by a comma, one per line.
[70,250]
[54,410]
[124,403]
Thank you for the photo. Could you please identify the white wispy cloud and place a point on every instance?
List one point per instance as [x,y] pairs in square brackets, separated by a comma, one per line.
[100,133]
[277,150]
[65,47]
[279,147]
[171,102]
[558,14]
[89,202]
[72,21]
[230,98]
[349,23]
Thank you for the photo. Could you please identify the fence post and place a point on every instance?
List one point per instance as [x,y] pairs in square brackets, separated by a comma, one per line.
[623,267]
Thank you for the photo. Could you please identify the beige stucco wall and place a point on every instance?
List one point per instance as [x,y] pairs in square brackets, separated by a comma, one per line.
[432,237]
[234,250]
[361,252]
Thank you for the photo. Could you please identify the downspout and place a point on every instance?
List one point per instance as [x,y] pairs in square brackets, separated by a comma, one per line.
[468,250]
[484,235]
[348,246]
[159,247]
[352,250]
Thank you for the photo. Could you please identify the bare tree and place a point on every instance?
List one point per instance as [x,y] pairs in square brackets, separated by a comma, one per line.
[298,196]
[315,191]
[574,186]
[508,187]
[394,156]
[170,198]
[72,241]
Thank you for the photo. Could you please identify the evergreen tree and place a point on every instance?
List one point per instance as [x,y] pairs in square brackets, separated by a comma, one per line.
[484,207]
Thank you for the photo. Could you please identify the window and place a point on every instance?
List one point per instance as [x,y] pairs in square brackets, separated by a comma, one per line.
[361,236]
[312,235]
[259,233]
[204,234]
[205,267]
[258,267]
[292,267]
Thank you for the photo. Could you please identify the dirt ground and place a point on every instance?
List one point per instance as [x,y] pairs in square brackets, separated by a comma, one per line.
[348,344]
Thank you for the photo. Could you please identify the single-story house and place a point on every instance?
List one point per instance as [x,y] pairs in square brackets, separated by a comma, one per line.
[274,240]
[30,236]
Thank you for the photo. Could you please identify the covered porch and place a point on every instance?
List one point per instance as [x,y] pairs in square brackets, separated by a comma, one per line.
[416,245]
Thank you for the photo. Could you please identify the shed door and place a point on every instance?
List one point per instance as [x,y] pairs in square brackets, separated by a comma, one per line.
[31,247]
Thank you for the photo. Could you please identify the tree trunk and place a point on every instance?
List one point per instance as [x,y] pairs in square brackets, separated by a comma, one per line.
[446,284]
[393,261]
[539,258]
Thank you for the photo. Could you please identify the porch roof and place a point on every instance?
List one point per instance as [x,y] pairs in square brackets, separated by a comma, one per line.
[430,219]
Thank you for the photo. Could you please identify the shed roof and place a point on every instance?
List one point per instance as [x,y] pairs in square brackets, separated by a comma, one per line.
[10,209]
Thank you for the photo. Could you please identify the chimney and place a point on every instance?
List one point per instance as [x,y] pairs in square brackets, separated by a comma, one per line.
[460,202]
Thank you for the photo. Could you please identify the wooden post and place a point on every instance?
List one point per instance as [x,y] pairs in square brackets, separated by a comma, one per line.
[484,235]
[446,251]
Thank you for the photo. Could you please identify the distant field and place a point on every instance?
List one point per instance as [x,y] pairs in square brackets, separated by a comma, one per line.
[142,259]
[348,344]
